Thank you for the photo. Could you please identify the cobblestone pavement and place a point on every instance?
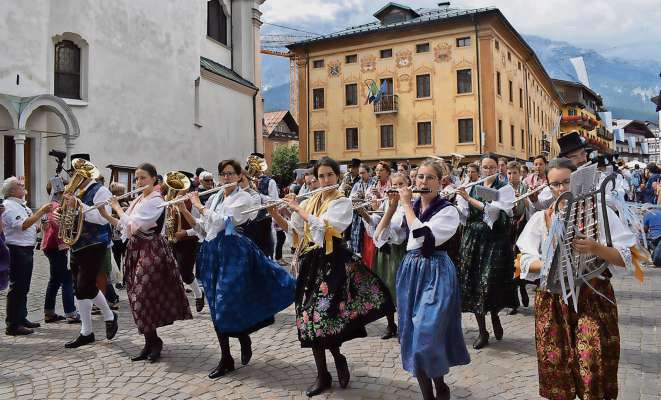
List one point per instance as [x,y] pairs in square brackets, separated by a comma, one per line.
[38,366]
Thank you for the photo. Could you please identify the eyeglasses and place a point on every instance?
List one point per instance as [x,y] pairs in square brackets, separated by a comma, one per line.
[423,177]
[557,185]
[227,174]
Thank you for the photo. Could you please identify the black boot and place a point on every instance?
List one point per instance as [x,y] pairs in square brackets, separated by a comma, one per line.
[497,327]
[343,374]
[483,337]
[246,349]
[144,353]
[156,345]
[442,389]
[226,363]
[391,329]
[323,381]
[112,326]
[426,387]
[524,294]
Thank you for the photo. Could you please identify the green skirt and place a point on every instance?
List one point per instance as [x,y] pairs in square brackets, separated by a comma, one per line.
[387,263]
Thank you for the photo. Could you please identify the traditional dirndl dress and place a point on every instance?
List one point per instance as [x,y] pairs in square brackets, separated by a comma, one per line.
[428,296]
[153,284]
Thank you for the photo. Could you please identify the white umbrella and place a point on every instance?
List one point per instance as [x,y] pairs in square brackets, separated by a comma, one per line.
[632,164]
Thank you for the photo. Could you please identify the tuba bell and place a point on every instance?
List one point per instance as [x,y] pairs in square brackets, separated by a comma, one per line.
[175,182]
[256,165]
[71,217]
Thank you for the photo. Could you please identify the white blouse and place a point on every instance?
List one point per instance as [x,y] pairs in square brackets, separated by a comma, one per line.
[532,238]
[505,202]
[393,233]
[339,215]
[213,221]
[141,215]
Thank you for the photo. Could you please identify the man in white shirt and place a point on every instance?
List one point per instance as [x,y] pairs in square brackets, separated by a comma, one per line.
[21,237]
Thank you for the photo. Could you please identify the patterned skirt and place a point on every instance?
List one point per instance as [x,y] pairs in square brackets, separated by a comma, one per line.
[577,353]
[336,297]
[428,304]
[155,291]
[243,287]
[486,269]
[387,263]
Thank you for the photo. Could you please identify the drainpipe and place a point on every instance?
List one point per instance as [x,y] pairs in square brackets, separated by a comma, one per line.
[232,36]
[479,94]
[307,96]
[254,120]
[525,103]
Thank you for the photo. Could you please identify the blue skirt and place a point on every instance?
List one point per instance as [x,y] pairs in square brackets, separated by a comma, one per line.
[243,287]
[429,308]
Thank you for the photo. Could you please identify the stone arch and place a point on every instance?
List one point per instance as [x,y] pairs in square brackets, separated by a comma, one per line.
[11,110]
[55,105]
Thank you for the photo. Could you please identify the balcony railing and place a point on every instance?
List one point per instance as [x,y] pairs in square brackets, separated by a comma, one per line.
[387,104]
[604,134]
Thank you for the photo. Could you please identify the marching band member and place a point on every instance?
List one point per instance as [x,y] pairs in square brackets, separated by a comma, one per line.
[358,193]
[153,283]
[244,288]
[520,212]
[428,292]
[577,352]
[376,191]
[87,258]
[486,270]
[335,296]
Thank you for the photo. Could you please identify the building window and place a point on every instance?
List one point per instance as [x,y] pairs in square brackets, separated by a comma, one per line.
[422,48]
[424,133]
[519,65]
[386,53]
[509,56]
[422,85]
[498,91]
[497,44]
[352,138]
[520,98]
[466,130]
[500,131]
[318,64]
[216,22]
[512,135]
[197,103]
[464,42]
[523,139]
[351,59]
[387,136]
[351,92]
[67,70]
[319,141]
[318,98]
[571,112]
[511,91]
[464,81]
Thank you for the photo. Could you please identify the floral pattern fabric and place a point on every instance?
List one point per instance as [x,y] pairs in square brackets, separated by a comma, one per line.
[578,353]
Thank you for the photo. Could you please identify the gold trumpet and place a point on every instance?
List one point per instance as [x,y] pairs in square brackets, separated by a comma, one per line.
[71,217]
[175,182]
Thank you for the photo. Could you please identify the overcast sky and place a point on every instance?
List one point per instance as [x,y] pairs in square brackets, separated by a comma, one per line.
[622,28]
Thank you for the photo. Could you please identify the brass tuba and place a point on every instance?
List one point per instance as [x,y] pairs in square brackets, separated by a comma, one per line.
[71,218]
[256,166]
[175,182]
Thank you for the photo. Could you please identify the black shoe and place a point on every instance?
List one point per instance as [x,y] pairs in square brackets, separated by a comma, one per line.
[246,350]
[81,340]
[31,325]
[320,385]
[199,304]
[95,310]
[481,341]
[119,286]
[224,366]
[155,351]
[114,305]
[525,300]
[54,318]
[73,320]
[343,373]
[18,331]
[443,393]
[513,311]
[391,332]
[111,327]
[143,354]
[497,329]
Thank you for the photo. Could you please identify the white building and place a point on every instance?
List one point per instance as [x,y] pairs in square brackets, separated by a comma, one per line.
[174,83]
[635,145]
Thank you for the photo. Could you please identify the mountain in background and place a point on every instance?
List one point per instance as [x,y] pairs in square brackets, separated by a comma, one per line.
[625,85]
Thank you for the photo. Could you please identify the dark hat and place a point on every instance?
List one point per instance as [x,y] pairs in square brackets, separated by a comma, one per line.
[603,160]
[571,142]
[355,162]
[84,156]
[188,174]
[199,170]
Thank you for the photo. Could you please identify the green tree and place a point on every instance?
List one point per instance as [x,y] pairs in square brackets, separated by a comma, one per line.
[285,161]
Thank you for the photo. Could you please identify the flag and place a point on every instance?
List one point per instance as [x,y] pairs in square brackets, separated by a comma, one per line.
[619,134]
[644,147]
[607,118]
[372,91]
[381,92]
[581,71]
[631,141]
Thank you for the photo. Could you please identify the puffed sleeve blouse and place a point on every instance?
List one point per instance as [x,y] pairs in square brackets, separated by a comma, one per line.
[338,215]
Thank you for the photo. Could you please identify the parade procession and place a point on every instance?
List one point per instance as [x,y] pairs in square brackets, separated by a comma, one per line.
[438,202]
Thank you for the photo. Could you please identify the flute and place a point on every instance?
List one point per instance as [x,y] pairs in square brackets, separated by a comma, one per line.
[281,203]
[413,190]
[368,203]
[188,196]
[107,202]
[530,193]
[450,192]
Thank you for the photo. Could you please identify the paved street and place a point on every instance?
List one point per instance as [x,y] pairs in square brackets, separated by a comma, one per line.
[39,367]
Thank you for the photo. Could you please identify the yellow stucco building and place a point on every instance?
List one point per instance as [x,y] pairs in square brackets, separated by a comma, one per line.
[449,75]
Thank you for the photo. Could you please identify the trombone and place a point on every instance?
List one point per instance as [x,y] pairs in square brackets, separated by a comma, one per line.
[107,202]
[281,203]
[188,196]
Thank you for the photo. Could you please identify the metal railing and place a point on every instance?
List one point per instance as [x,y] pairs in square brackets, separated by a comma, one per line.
[387,104]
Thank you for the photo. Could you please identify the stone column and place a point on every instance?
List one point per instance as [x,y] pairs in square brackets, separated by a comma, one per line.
[69,149]
[19,145]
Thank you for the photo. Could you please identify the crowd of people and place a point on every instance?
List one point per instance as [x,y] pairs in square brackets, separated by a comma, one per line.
[416,244]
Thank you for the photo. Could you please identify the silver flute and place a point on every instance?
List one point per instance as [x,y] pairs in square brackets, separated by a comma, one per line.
[107,202]
[189,195]
[281,203]
[450,192]
[530,193]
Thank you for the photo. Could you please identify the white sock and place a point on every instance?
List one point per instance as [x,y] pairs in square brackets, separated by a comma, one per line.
[196,289]
[100,301]
[85,308]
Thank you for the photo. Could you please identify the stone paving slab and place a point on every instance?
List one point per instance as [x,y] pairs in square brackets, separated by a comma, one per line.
[38,366]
